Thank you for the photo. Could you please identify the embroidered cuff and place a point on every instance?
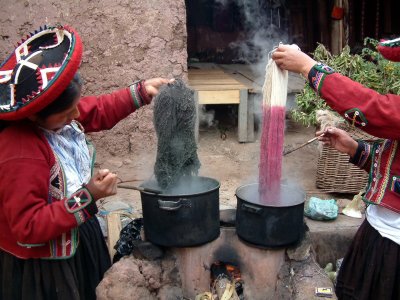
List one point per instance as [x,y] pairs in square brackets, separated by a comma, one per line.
[362,154]
[81,205]
[317,75]
[143,93]
[139,94]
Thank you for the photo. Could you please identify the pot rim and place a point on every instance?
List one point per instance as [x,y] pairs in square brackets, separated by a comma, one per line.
[218,184]
[239,197]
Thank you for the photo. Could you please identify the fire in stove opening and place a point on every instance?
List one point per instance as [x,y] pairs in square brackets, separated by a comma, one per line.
[226,281]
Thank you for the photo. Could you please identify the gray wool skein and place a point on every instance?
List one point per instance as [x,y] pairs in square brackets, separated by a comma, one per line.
[174,122]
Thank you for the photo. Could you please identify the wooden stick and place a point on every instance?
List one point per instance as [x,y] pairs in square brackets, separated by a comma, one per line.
[301,146]
[139,188]
[129,180]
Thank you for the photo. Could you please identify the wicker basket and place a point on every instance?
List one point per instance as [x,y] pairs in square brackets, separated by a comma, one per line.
[334,172]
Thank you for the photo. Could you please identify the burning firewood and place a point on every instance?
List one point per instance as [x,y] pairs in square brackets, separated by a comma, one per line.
[225,289]
[227,282]
[205,296]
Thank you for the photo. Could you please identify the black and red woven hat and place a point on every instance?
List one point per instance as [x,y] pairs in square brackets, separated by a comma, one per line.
[38,71]
[390,49]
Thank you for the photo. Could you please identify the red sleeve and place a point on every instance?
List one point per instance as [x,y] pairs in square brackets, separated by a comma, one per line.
[25,165]
[105,111]
[370,111]
[30,218]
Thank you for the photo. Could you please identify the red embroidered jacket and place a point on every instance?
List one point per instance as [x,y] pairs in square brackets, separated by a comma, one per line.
[377,114]
[36,219]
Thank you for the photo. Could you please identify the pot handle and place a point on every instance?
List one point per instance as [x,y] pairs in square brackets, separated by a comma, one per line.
[251,208]
[173,205]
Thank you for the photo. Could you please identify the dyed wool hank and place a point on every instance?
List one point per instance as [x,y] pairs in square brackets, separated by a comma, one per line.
[272,136]
[174,122]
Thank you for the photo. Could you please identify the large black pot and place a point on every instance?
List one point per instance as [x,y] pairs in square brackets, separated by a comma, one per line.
[187,215]
[273,225]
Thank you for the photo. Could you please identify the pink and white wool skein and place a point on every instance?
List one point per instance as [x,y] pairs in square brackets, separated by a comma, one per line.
[272,136]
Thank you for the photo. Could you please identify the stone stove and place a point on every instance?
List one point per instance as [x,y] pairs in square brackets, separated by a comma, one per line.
[259,268]
[183,273]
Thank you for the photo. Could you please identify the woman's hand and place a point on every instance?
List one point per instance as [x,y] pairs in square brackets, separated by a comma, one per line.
[102,184]
[338,139]
[152,85]
[291,58]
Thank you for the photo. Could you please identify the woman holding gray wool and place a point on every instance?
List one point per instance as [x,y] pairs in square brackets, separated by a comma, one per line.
[51,244]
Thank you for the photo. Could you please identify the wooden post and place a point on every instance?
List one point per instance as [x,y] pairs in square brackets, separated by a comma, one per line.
[113,231]
[337,32]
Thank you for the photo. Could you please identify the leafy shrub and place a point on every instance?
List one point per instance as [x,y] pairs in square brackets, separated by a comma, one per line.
[368,68]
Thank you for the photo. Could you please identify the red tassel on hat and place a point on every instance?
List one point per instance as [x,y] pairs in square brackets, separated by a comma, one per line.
[390,49]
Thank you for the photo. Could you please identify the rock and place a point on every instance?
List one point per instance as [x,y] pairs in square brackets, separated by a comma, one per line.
[147,250]
[132,278]
[168,292]
[302,251]
[124,280]
[329,267]
[300,283]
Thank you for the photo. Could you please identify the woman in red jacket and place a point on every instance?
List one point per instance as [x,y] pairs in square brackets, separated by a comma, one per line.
[51,245]
[371,267]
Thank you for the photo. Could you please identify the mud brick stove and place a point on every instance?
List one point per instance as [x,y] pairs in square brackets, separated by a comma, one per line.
[253,237]
[259,268]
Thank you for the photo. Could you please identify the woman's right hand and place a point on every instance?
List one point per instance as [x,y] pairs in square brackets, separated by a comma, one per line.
[102,184]
[338,139]
[153,85]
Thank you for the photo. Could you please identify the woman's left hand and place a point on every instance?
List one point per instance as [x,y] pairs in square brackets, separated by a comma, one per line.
[152,85]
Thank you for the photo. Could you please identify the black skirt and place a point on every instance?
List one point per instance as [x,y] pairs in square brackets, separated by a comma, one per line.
[371,268]
[73,278]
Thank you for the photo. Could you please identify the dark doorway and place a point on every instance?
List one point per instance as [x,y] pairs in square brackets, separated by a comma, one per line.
[242,31]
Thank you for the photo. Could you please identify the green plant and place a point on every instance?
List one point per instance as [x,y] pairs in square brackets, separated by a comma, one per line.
[368,68]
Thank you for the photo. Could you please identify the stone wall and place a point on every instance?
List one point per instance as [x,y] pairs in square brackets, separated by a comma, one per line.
[123,40]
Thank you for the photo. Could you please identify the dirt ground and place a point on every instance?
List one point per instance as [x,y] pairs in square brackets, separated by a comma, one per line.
[230,162]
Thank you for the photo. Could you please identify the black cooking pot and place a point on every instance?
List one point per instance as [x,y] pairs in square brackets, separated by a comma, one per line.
[187,215]
[274,225]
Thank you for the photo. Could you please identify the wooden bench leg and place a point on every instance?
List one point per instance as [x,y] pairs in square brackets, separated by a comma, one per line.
[250,119]
[242,116]
[196,126]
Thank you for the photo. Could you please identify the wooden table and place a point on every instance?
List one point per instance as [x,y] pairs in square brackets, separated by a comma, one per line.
[216,87]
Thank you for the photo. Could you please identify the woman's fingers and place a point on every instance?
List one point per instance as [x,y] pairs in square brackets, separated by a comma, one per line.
[109,183]
[152,85]
[103,184]
[101,174]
